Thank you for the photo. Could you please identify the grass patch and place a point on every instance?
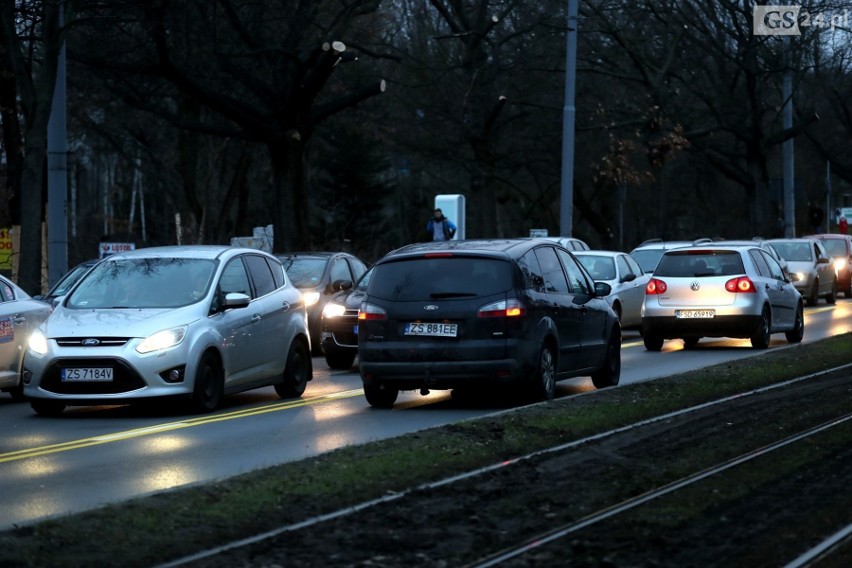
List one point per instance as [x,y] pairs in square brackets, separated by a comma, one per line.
[172,524]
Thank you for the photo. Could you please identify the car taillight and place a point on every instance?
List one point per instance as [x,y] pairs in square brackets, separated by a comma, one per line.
[371,312]
[655,286]
[741,284]
[502,309]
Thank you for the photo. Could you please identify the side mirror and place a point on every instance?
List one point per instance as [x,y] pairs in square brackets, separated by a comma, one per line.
[628,278]
[338,285]
[823,260]
[602,289]
[236,300]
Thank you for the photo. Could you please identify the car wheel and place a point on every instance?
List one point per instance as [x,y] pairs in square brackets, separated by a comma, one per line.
[47,407]
[545,378]
[813,297]
[832,296]
[297,373]
[610,373]
[690,342]
[380,396]
[209,384]
[796,334]
[652,342]
[760,338]
[340,360]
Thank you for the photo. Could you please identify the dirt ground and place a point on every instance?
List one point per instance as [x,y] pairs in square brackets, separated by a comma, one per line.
[763,513]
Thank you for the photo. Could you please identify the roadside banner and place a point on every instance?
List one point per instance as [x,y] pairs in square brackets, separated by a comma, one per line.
[107,249]
[6,249]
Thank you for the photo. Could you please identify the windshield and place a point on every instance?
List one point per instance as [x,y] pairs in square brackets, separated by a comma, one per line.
[835,247]
[365,280]
[793,251]
[304,272]
[600,267]
[143,283]
[647,259]
[67,282]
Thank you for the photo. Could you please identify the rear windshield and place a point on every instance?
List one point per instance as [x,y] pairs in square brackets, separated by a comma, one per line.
[700,263]
[440,278]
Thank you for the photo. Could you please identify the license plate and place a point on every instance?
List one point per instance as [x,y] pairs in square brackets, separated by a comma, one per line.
[87,375]
[432,329]
[698,314]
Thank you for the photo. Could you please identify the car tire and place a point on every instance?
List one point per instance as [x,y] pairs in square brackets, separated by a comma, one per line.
[690,342]
[652,342]
[209,384]
[796,334]
[760,337]
[610,373]
[813,297]
[297,372]
[832,296]
[544,385]
[44,407]
[380,396]
[340,361]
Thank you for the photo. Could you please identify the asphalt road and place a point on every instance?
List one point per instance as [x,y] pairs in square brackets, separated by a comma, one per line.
[95,455]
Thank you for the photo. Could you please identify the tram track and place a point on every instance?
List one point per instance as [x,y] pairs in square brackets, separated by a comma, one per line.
[506,507]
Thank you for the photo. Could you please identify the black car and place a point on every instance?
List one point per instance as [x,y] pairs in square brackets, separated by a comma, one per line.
[460,314]
[67,281]
[319,275]
[340,325]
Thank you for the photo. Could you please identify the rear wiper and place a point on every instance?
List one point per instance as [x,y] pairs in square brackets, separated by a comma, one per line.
[438,295]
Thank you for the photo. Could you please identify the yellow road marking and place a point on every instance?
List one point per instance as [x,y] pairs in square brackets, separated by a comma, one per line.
[171,426]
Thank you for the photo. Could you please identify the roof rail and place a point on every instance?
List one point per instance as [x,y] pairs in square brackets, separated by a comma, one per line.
[649,241]
[702,241]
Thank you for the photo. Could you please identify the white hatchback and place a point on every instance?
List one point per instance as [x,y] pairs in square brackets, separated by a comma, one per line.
[192,321]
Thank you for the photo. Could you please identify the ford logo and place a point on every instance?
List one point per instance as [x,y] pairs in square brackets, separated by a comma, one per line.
[430,308]
[90,342]
[695,286]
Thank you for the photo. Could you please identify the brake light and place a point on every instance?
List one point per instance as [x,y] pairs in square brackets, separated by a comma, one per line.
[438,255]
[502,309]
[371,312]
[655,287]
[741,284]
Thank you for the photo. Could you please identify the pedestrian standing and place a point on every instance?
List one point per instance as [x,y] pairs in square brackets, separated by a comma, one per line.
[843,225]
[439,227]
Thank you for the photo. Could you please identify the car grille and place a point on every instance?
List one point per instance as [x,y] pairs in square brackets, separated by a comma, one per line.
[125,379]
[101,341]
[346,338]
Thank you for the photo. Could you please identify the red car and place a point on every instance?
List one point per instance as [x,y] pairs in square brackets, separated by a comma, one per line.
[840,248]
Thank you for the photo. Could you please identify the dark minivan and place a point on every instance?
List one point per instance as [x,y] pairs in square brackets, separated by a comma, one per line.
[459,314]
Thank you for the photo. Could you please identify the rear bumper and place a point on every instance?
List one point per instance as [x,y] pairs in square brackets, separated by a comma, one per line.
[442,375]
[721,326]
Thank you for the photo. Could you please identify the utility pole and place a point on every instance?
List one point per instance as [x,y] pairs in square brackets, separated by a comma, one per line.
[57,172]
[566,202]
[787,149]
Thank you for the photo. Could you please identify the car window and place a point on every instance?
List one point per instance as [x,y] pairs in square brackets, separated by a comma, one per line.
[554,278]
[760,263]
[775,269]
[576,279]
[358,268]
[634,266]
[234,278]
[599,267]
[793,251]
[340,271]
[700,263]
[261,275]
[648,258]
[277,272]
[835,247]
[531,272]
[418,279]
[365,280]
[819,250]
[622,267]
[304,272]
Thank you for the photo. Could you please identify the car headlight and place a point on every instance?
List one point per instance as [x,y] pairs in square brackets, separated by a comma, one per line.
[38,342]
[310,298]
[797,276]
[840,264]
[162,340]
[332,310]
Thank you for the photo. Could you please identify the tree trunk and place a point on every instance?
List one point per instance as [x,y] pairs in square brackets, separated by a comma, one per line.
[290,211]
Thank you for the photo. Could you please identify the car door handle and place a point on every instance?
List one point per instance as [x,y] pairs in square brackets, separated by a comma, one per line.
[255,318]
[285,306]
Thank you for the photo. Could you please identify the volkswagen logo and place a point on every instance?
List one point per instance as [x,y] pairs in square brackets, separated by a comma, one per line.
[695,286]
[430,308]
[90,342]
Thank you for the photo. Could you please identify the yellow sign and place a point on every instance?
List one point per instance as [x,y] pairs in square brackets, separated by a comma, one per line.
[5,249]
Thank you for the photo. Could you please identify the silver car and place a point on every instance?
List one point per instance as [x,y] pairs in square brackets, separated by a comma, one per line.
[811,267]
[720,291]
[20,314]
[191,321]
[625,276]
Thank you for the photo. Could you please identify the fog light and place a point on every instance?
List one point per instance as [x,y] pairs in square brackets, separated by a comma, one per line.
[174,375]
[28,376]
